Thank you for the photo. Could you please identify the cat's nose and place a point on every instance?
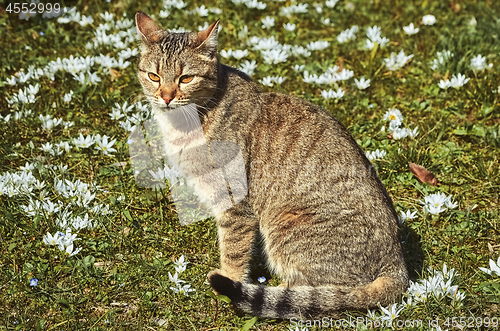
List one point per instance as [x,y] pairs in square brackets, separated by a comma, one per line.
[168,100]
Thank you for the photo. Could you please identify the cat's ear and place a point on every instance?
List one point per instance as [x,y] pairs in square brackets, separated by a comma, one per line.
[207,38]
[148,29]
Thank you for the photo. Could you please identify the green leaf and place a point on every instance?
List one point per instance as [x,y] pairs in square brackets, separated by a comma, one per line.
[12,246]
[36,221]
[478,130]
[126,213]
[223,298]
[460,132]
[211,294]
[40,325]
[249,324]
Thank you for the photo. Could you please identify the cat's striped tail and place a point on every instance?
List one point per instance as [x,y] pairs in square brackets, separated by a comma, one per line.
[306,301]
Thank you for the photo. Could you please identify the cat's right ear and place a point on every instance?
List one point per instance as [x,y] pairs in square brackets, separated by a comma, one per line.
[207,38]
[148,29]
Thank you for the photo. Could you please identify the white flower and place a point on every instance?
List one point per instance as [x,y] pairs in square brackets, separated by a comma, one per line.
[248,67]
[180,265]
[289,26]
[50,207]
[293,9]
[11,80]
[271,80]
[441,59]
[332,94]
[105,146]
[81,78]
[274,56]
[395,62]
[298,67]
[255,4]
[410,29]
[376,154]
[175,279]
[82,142]
[391,312]
[116,114]
[428,20]
[444,84]
[158,175]
[394,116]
[125,108]
[344,74]
[67,97]
[48,123]
[48,148]
[237,54]
[331,3]
[49,239]
[459,296]
[478,63]
[362,83]
[319,7]
[108,17]
[372,315]
[300,51]
[373,34]
[93,79]
[68,238]
[264,43]
[27,15]
[202,11]
[437,203]
[243,33]
[186,289]
[267,22]
[69,251]
[317,45]
[494,268]
[458,80]
[348,35]
[408,215]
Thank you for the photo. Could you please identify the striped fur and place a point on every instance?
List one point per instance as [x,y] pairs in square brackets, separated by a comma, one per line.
[304,301]
[328,227]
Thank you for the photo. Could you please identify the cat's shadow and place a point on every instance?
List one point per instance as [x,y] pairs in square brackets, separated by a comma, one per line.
[412,250]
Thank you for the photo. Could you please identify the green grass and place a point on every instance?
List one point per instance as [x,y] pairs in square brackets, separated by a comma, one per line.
[119,280]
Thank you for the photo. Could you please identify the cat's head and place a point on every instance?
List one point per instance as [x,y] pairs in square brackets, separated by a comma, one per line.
[177,69]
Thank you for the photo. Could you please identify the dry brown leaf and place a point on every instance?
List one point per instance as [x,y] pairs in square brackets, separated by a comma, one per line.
[114,74]
[422,174]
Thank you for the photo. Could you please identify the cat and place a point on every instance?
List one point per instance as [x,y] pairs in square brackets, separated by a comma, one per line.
[327,225]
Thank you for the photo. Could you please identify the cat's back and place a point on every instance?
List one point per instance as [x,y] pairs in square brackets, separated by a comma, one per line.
[296,126]
[298,142]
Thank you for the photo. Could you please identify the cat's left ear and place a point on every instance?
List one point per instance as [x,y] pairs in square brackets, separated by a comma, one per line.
[208,38]
[148,29]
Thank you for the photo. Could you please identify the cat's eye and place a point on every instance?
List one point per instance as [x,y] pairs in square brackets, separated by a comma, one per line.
[154,77]
[186,79]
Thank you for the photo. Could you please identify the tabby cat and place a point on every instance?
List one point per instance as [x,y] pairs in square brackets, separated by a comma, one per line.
[327,225]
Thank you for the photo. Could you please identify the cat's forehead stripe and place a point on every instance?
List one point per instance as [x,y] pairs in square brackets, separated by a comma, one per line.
[173,43]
